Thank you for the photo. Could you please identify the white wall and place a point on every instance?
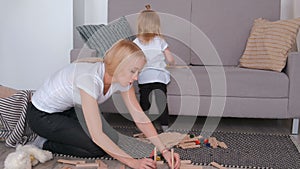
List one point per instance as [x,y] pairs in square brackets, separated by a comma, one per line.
[88,12]
[36,37]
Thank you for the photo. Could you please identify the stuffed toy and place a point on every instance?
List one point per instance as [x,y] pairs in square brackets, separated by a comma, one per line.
[26,156]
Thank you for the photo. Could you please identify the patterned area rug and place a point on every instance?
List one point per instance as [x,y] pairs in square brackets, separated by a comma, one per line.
[259,151]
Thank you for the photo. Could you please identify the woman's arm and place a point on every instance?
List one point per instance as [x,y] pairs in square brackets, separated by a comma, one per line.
[169,56]
[145,125]
[94,125]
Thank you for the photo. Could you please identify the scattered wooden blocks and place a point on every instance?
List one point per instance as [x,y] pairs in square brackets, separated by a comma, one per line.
[82,164]
[191,141]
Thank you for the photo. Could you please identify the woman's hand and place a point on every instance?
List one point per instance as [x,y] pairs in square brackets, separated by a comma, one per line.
[145,163]
[167,156]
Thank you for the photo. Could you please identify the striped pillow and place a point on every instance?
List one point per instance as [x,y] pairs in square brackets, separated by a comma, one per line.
[269,43]
[102,37]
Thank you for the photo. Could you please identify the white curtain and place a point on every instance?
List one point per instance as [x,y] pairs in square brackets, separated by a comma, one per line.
[296,15]
[291,9]
[296,8]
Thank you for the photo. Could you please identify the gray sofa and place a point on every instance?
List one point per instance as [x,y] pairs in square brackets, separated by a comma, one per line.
[208,37]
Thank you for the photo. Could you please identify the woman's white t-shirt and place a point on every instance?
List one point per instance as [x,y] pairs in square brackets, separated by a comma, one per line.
[155,69]
[60,92]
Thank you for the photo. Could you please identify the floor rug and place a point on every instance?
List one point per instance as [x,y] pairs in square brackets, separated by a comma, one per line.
[245,150]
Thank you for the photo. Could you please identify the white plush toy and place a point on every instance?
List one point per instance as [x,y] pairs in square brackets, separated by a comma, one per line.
[26,156]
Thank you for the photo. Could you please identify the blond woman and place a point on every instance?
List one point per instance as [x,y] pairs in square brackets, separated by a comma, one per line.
[64,111]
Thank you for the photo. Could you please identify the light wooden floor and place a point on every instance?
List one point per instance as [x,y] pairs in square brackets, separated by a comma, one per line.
[226,124]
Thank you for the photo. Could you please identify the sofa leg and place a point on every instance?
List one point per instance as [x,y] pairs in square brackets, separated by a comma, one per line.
[295,126]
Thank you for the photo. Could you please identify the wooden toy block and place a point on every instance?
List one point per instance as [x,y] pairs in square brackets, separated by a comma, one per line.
[192,146]
[191,167]
[73,162]
[189,140]
[217,165]
[213,142]
[66,167]
[172,158]
[207,144]
[86,165]
[222,145]
[186,144]
[155,154]
[186,162]
[139,135]
[102,165]
[159,162]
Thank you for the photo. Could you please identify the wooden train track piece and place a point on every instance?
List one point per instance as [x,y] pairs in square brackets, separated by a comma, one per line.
[217,165]
[72,162]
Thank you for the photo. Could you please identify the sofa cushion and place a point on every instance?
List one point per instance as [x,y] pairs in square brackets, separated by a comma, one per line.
[269,43]
[234,106]
[239,82]
[102,37]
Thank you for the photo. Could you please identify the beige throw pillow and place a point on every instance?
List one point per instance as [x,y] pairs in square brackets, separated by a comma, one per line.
[268,44]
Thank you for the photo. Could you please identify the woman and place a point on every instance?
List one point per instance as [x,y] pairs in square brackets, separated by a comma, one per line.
[85,85]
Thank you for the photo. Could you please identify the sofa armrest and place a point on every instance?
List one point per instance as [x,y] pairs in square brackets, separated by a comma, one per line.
[7,92]
[293,72]
[82,52]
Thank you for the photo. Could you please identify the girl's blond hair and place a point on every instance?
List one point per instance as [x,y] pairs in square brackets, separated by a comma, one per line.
[113,57]
[148,25]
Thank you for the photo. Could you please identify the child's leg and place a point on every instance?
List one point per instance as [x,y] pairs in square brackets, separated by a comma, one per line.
[63,132]
[162,103]
[145,90]
[160,92]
